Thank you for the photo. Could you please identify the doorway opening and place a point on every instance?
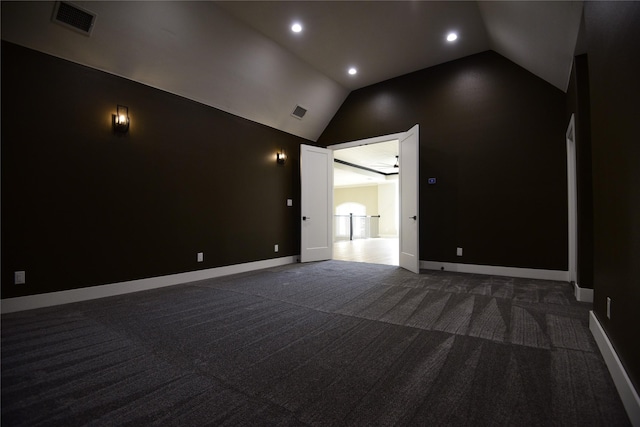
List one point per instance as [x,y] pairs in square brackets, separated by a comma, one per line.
[316,201]
[366,203]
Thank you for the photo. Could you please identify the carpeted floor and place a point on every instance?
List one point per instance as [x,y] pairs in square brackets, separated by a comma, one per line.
[328,343]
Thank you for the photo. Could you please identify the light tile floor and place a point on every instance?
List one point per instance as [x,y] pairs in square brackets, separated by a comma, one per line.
[375,250]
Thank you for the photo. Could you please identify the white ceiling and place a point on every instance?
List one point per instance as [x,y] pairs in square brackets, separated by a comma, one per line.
[385,39]
[540,36]
[192,49]
[378,158]
[382,39]
[241,57]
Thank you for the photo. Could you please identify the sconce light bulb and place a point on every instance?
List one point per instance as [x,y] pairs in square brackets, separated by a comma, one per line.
[122,119]
[281,157]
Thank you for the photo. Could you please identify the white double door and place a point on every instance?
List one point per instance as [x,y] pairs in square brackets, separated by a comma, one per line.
[316,176]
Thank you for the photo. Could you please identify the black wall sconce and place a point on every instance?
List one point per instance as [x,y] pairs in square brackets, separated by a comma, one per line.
[281,157]
[120,120]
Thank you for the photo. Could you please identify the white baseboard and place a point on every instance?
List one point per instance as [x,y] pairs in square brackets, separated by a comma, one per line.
[627,392]
[527,273]
[29,302]
[583,294]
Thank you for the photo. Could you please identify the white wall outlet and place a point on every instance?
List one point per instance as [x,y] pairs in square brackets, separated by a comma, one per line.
[608,308]
[200,256]
[275,248]
[19,278]
[289,202]
[459,251]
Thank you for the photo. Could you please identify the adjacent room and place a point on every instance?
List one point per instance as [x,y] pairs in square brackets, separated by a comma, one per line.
[157,222]
[366,203]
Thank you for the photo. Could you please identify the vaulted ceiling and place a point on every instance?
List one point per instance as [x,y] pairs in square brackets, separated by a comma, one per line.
[243,58]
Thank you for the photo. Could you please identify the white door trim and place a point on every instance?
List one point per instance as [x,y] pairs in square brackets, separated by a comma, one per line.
[409,152]
[316,203]
[572,199]
[378,139]
[359,142]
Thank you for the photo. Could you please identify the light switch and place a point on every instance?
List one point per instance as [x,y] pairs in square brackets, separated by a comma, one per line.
[19,278]
[289,202]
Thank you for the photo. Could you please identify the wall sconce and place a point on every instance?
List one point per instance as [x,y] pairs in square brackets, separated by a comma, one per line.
[121,119]
[281,157]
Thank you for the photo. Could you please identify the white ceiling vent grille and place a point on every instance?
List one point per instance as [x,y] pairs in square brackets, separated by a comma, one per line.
[299,112]
[74,17]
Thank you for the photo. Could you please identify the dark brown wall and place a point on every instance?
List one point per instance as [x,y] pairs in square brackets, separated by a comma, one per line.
[578,103]
[613,37]
[493,135]
[82,206]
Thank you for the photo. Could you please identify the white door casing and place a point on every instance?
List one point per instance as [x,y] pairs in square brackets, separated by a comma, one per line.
[572,198]
[316,181]
[408,248]
[409,200]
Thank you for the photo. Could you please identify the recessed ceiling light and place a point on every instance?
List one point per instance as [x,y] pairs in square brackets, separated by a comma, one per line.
[352,71]
[296,27]
[452,37]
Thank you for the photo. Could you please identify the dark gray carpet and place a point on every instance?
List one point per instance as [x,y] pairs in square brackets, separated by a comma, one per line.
[329,343]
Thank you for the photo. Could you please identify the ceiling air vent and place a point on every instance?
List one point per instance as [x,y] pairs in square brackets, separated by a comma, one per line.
[299,112]
[74,17]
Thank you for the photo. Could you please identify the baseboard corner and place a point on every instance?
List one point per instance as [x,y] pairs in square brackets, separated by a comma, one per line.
[627,392]
[583,294]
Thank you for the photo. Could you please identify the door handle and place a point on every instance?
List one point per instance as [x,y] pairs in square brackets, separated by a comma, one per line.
[305,218]
[415,217]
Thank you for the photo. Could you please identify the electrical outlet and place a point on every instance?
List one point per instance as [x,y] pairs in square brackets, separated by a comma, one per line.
[200,256]
[459,251]
[19,278]
[275,248]
[608,308]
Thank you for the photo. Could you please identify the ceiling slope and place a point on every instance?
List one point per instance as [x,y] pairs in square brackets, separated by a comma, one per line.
[241,57]
[540,36]
[192,49]
[382,39]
